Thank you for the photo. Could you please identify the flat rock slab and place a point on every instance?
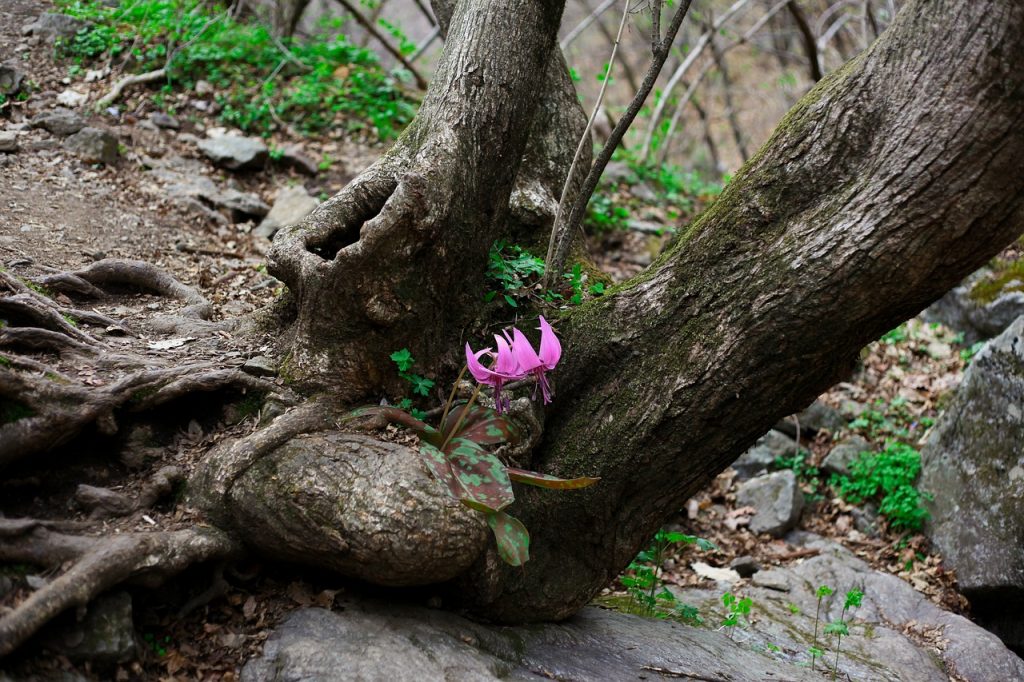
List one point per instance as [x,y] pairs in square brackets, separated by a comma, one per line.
[374,641]
[897,634]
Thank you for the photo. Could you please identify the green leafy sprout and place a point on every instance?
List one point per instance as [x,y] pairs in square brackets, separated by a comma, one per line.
[642,579]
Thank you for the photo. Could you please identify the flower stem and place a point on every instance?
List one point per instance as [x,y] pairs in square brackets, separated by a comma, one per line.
[451,396]
[462,417]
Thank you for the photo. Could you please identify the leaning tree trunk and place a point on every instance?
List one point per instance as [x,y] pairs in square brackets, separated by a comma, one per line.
[888,183]
[397,258]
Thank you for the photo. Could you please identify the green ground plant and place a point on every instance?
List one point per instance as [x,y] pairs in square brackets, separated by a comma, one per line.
[262,82]
[421,385]
[887,476]
[643,583]
[737,612]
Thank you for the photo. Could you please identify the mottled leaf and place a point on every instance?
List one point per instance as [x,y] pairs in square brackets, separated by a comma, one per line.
[439,466]
[546,481]
[512,537]
[485,484]
[482,425]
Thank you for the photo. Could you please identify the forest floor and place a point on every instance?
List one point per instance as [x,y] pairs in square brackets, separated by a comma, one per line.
[58,213]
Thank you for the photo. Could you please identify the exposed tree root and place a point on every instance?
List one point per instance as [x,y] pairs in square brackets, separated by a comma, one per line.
[93,280]
[103,503]
[46,413]
[102,563]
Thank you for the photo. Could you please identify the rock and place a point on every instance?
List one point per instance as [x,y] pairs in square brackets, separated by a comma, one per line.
[93,145]
[851,409]
[235,152]
[103,503]
[185,181]
[746,566]
[162,120]
[72,98]
[973,465]
[877,648]
[643,192]
[841,456]
[617,171]
[372,641]
[291,205]
[11,78]
[817,417]
[760,458]
[977,319]
[106,635]
[50,26]
[8,141]
[294,156]
[204,88]
[777,499]
[260,366]
[58,121]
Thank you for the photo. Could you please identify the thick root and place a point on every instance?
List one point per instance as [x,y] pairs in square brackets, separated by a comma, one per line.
[101,563]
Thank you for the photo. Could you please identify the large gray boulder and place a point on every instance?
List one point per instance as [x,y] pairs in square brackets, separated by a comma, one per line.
[977,317]
[51,25]
[973,465]
[760,458]
[896,635]
[93,145]
[371,641]
[58,121]
[291,205]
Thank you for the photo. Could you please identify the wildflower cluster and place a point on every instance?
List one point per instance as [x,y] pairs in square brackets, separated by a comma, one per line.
[516,359]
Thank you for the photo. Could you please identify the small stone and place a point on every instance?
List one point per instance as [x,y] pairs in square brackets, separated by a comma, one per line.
[11,78]
[260,366]
[294,156]
[203,88]
[746,566]
[72,98]
[36,582]
[291,205]
[59,121]
[758,459]
[938,350]
[162,120]
[777,500]
[242,205]
[772,580]
[235,152]
[93,145]
[8,141]
[106,634]
[52,25]
[839,459]
[817,417]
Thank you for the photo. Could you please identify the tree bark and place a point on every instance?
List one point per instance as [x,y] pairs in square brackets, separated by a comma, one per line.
[889,182]
[433,204]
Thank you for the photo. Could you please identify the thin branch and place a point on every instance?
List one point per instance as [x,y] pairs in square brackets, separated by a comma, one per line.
[585,139]
[385,43]
[810,44]
[566,229]
[681,70]
[582,26]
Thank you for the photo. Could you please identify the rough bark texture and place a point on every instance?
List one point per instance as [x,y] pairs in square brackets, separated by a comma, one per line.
[894,178]
[433,204]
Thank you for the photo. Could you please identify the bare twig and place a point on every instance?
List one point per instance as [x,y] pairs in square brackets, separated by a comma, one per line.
[566,229]
[584,140]
[385,43]
[582,26]
[810,44]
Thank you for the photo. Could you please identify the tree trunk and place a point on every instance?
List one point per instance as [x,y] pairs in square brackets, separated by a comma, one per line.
[434,204]
[287,14]
[887,184]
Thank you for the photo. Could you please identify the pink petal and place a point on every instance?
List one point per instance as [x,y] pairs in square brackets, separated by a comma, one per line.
[525,356]
[506,362]
[479,372]
[550,348]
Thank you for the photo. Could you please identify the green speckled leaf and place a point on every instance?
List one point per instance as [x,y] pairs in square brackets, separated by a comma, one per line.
[438,465]
[546,481]
[512,537]
[482,425]
[486,487]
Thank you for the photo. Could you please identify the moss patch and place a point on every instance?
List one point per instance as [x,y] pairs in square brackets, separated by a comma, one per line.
[1006,276]
[13,410]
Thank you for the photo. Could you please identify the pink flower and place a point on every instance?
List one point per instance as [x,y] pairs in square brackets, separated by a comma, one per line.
[528,361]
[503,370]
[516,359]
